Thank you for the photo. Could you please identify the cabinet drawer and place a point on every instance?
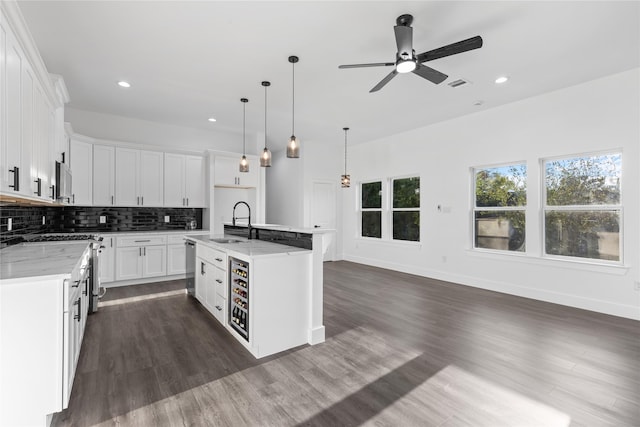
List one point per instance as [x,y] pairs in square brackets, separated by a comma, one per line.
[220,309]
[128,241]
[174,240]
[220,280]
[214,256]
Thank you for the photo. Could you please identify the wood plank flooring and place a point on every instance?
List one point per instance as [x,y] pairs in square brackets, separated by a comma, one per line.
[401,350]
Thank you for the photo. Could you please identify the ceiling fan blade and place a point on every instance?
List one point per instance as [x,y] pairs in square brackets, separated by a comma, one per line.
[375,64]
[404,40]
[451,49]
[434,76]
[384,81]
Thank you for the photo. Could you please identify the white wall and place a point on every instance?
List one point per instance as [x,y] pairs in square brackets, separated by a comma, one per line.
[117,128]
[284,189]
[598,115]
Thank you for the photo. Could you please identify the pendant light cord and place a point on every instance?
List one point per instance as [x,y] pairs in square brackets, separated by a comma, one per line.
[265,116]
[244,118]
[293,97]
[345,150]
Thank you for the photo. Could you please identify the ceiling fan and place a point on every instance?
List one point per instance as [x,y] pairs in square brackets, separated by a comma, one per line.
[407,60]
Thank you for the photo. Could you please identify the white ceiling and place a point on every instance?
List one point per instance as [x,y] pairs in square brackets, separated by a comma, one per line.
[188,61]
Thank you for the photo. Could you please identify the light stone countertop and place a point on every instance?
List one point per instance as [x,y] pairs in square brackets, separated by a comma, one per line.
[245,247]
[40,259]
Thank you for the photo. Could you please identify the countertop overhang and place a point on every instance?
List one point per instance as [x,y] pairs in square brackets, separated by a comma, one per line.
[46,259]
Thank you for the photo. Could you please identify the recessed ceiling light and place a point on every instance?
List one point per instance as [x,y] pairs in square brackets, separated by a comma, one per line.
[122,83]
[211,119]
[478,103]
[502,79]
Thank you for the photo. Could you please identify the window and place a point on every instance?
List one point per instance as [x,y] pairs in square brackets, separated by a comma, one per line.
[371,207]
[499,207]
[582,207]
[406,209]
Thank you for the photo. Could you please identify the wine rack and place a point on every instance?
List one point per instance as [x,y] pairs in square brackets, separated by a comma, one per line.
[239,296]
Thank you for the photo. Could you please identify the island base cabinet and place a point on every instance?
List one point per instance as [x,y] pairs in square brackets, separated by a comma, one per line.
[279,312]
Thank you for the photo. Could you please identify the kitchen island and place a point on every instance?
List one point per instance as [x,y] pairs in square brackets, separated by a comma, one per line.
[260,291]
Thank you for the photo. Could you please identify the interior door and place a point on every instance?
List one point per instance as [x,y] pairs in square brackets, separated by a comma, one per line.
[324,213]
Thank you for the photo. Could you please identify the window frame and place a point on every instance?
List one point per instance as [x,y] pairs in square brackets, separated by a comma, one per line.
[362,209]
[475,208]
[581,208]
[392,209]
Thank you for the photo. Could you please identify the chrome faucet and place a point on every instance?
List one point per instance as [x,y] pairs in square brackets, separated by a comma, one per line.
[233,221]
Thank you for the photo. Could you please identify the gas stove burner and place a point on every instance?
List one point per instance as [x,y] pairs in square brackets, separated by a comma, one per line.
[62,237]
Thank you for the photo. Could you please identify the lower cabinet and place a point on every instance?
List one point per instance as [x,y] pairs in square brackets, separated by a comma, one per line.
[176,253]
[139,257]
[107,268]
[211,281]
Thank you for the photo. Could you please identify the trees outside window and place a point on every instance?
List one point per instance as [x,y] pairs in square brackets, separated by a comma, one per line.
[406,209]
[582,207]
[371,209]
[499,208]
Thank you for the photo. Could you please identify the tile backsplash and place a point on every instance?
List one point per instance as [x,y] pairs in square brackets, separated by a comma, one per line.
[75,219]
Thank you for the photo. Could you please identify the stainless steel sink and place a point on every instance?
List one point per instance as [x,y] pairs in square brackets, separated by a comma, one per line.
[225,240]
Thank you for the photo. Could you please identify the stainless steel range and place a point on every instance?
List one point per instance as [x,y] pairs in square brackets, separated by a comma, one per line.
[97,291]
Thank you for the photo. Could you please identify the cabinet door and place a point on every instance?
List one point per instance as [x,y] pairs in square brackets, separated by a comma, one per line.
[81,158]
[174,173]
[26,153]
[12,149]
[126,177]
[103,175]
[220,308]
[194,182]
[154,261]
[210,288]
[176,259]
[151,178]
[128,263]
[41,132]
[227,172]
[107,260]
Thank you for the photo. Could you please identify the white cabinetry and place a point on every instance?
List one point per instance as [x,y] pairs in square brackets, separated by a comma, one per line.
[80,160]
[183,180]
[227,172]
[107,260]
[138,177]
[176,253]
[104,169]
[141,256]
[211,281]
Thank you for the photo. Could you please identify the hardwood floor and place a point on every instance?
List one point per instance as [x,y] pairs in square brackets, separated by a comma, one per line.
[401,350]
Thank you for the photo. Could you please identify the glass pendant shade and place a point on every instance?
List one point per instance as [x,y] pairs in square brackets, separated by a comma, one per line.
[244,163]
[345,181]
[265,158]
[293,148]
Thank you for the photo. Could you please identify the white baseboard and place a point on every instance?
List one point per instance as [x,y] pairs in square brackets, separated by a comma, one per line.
[576,301]
[142,281]
[316,335]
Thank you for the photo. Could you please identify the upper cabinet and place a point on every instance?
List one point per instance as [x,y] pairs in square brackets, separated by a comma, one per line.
[31,107]
[80,161]
[184,180]
[227,172]
[104,170]
[139,176]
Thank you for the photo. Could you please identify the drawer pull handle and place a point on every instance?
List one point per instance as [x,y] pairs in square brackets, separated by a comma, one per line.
[141,241]
[218,280]
[219,259]
[218,308]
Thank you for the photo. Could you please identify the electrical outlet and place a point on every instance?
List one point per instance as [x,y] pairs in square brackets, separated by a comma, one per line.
[166,218]
[9,224]
[44,220]
[103,219]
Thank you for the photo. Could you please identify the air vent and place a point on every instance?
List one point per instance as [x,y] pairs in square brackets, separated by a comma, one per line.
[458,83]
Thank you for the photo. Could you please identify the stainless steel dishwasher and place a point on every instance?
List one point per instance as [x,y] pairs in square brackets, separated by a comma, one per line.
[190,260]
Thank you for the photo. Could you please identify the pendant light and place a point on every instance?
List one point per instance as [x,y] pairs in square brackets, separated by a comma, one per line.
[293,147]
[345,179]
[244,163]
[265,158]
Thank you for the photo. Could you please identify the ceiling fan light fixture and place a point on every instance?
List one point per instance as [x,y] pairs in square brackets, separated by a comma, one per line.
[406,66]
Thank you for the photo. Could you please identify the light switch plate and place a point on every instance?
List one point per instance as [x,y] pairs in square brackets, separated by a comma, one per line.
[166,218]
[44,220]
[103,219]
[9,224]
